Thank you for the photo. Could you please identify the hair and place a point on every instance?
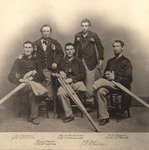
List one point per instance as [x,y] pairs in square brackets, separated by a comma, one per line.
[46,25]
[86,20]
[118,41]
[28,42]
[69,44]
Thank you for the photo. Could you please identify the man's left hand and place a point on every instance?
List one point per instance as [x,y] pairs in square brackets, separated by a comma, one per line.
[100,64]
[53,47]
[110,75]
[68,80]
[54,66]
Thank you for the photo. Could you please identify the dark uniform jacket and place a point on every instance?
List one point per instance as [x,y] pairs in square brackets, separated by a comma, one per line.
[73,69]
[24,65]
[49,56]
[85,48]
[123,74]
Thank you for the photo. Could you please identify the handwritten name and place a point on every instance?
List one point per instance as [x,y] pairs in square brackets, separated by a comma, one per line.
[39,142]
[70,136]
[90,142]
[23,136]
[117,136]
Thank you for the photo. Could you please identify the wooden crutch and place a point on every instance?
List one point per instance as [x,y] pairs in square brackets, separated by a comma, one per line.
[130,93]
[77,101]
[22,85]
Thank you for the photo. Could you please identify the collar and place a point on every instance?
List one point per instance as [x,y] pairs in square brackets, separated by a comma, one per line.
[119,57]
[66,58]
[82,34]
[42,40]
[25,57]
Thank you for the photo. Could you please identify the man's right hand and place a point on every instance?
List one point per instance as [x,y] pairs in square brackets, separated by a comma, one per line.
[63,74]
[25,80]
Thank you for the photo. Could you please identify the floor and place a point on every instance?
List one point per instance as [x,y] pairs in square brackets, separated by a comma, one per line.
[9,121]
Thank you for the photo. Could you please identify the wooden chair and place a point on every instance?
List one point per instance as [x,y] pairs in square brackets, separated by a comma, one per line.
[115,99]
[43,107]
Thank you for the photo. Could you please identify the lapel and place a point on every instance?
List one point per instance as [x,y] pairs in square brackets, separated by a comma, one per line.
[39,43]
[49,43]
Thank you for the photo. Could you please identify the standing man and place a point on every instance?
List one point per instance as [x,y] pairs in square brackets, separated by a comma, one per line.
[21,70]
[85,44]
[49,52]
[119,69]
[73,72]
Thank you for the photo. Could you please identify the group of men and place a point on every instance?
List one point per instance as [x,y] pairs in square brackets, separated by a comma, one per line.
[77,68]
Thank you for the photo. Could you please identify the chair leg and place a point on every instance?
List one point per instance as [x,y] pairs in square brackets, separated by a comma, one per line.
[97,112]
[117,108]
[20,103]
[128,112]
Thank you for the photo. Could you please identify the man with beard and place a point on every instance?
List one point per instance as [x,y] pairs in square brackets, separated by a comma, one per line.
[119,69]
[49,52]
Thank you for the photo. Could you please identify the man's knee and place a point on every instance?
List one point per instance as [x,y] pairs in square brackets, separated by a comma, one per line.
[61,91]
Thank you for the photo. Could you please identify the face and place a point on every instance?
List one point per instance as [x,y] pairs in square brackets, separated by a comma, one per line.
[46,32]
[117,48]
[85,27]
[28,49]
[70,51]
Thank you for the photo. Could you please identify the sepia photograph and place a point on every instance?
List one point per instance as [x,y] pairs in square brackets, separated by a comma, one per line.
[74,74]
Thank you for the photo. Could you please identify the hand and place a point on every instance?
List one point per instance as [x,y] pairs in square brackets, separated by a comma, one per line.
[28,74]
[20,57]
[55,75]
[92,40]
[34,72]
[109,75]
[63,74]
[69,80]
[25,80]
[35,48]
[94,86]
[78,39]
[100,64]
[54,66]
[53,47]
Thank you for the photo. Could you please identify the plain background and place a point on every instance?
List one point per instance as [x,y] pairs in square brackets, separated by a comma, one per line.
[126,20]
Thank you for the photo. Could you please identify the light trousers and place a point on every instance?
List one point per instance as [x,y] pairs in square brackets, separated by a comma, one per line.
[104,87]
[64,98]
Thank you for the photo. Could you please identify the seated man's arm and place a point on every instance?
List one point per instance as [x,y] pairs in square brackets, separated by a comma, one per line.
[13,76]
[126,77]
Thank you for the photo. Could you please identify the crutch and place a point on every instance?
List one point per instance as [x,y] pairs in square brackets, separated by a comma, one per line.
[130,93]
[77,101]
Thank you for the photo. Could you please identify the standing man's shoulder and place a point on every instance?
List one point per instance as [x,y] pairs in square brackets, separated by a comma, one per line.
[37,41]
[78,34]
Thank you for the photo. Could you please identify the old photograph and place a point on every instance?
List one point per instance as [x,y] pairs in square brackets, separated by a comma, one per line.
[74,74]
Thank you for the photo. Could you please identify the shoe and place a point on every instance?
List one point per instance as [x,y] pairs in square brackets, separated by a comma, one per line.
[69,119]
[35,121]
[104,121]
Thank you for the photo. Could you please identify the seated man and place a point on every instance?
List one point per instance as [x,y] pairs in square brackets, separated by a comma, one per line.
[119,69]
[21,70]
[73,72]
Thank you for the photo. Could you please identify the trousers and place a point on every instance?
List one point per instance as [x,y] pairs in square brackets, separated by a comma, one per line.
[33,100]
[64,98]
[104,87]
[90,78]
[48,82]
